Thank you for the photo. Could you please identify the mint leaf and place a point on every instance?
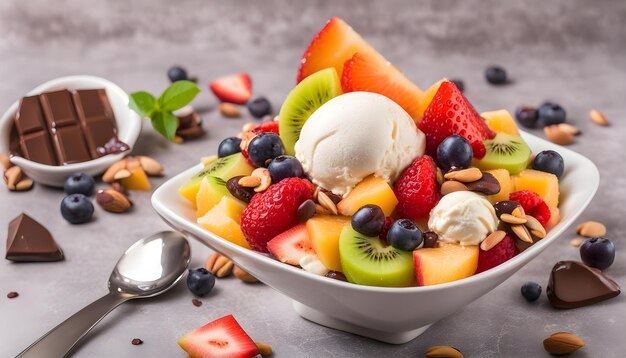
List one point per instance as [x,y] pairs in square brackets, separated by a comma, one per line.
[165,123]
[143,103]
[178,95]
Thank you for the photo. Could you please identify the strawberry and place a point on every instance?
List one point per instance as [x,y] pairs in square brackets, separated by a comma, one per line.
[247,136]
[235,88]
[221,338]
[373,73]
[502,252]
[417,189]
[292,245]
[386,227]
[451,113]
[533,205]
[331,47]
[274,211]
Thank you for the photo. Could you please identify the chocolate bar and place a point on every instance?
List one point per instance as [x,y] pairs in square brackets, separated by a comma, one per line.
[96,118]
[28,240]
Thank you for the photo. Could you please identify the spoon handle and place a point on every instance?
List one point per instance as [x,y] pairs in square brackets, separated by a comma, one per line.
[59,341]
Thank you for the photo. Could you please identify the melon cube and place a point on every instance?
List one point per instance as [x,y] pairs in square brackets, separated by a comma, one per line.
[501,121]
[324,232]
[212,190]
[504,178]
[447,263]
[372,190]
[224,220]
[546,185]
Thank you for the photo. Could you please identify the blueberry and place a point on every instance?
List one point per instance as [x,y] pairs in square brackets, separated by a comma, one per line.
[285,166]
[496,75]
[527,116]
[549,161]
[404,235]
[459,84]
[551,113]
[598,252]
[228,146]
[369,220]
[76,208]
[531,291]
[259,107]
[265,147]
[200,281]
[454,151]
[80,183]
[176,73]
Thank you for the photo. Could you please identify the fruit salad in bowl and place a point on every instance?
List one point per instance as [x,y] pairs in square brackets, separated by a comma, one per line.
[367,195]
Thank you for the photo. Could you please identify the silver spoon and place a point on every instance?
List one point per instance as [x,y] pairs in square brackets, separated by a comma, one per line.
[148,268]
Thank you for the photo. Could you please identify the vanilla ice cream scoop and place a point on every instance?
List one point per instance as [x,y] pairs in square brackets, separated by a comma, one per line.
[464,217]
[355,135]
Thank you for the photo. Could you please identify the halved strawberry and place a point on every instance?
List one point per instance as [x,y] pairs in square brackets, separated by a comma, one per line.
[371,72]
[331,47]
[235,88]
[292,245]
[451,113]
[222,338]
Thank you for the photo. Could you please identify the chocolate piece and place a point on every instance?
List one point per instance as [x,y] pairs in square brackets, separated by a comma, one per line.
[69,145]
[28,240]
[573,284]
[113,146]
[487,185]
[37,147]
[58,109]
[29,116]
[96,118]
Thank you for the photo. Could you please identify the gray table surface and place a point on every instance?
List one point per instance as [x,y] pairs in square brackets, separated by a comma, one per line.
[571,52]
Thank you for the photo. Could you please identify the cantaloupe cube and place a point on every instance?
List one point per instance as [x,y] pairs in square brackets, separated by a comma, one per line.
[504,178]
[324,232]
[501,121]
[546,185]
[555,217]
[223,220]
[212,190]
[372,190]
[138,180]
[426,99]
[447,263]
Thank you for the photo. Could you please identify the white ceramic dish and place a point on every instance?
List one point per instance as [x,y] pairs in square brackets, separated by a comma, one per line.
[393,315]
[128,127]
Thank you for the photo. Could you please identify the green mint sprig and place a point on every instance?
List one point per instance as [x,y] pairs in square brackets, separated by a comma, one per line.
[159,110]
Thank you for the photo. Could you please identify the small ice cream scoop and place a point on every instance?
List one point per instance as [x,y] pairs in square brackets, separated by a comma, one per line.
[463,217]
[355,135]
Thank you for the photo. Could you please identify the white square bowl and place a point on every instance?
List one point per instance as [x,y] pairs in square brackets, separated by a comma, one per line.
[393,315]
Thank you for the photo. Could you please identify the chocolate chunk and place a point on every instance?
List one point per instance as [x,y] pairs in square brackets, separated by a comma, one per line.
[28,240]
[113,146]
[29,116]
[487,185]
[573,284]
[96,118]
[38,148]
[58,109]
[69,144]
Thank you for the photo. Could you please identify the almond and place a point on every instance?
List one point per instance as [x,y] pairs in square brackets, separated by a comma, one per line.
[265,177]
[557,135]
[109,174]
[576,242]
[243,275]
[12,176]
[451,186]
[326,202]
[24,184]
[443,352]
[440,178]
[562,343]
[492,240]
[535,227]
[465,175]
[264,348]
[113,201]
[568,128]
[122,174]
[591,229]
[510,219]
[598,118]
[219,265]
[249,181]
[5,162]
[229,110]
[151,166]
[522,232]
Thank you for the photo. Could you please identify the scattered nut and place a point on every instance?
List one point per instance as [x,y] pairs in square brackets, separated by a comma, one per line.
[12,176]
[225,270]
[249,181]
[576,242]
[535,227]
[243,275]
[598,118]
[519,212]
[465,175]
[440,178]
[151,166]
[326,202]
[443,352]
[562,343]
[229,110]
[568,128]
[178,140]
[122,174]
[591,229]
[219,265]
[510,219]
[24,184]
[522,232]
[451,186]
[321,210]
[109,174]
[265,177]
[492,240]
[113,201]
[264,348]
[558,136]
[5,162]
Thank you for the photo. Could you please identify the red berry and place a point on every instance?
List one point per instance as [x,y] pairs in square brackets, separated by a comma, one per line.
[385,230]
[451,113]
[479,150]
[502,252]
[271,126]
[274,211]
[533,205]
[235,88]
[247,136]
[417,189]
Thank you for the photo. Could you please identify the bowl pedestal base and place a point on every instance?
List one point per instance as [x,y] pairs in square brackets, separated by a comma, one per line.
[323,319]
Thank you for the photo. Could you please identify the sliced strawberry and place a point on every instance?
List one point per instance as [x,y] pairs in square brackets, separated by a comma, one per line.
[247,136]
[417,189]
[502,252]
[533,205]
[235,88]
[331,47]
[451,113]
[222,338]
[292,245]
[371,72]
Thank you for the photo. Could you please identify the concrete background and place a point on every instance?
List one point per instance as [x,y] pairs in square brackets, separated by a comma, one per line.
[568,51]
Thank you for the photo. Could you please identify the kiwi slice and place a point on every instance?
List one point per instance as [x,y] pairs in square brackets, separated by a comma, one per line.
[224,168]
[216,191]
[302,101]
[505,151]
[369,261]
